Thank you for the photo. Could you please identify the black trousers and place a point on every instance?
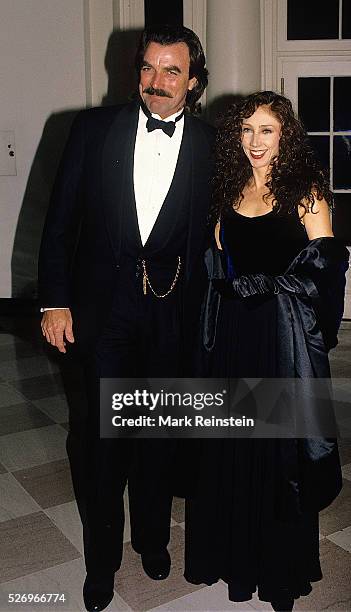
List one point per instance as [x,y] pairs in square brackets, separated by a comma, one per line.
[141,339]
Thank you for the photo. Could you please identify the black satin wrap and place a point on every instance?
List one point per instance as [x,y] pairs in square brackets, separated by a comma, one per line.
[310,303]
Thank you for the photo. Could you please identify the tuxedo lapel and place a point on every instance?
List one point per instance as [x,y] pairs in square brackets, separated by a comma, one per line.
[117,172]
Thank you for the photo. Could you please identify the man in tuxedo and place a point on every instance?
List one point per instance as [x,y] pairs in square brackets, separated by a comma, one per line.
[120,281]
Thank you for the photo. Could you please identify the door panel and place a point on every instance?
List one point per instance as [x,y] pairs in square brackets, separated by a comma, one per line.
[320,91]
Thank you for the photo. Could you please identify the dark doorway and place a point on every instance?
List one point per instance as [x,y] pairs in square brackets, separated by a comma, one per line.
[160,12]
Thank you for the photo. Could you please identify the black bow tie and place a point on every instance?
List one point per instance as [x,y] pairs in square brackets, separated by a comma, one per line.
[168,127]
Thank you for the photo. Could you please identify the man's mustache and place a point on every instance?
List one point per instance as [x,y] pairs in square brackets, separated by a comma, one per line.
[157,92]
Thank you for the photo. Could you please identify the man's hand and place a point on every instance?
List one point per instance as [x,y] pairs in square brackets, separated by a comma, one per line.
[56,326]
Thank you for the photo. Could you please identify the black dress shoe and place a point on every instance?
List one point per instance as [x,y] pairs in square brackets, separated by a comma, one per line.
[98,591]
[285,605]
[156,565]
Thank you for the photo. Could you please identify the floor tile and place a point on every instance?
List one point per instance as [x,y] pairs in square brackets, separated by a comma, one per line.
[342,538]
[39,386]
[66,518]
[140,592]
[342,399]
[55,407]
[342,384]
[346,472]
[9,396]
[7,339]
[178,509]
[257,604]
[66,578]
[343,351]
[340,368]
[182,525]
[345,325]
[14,500]
[344,450]
[33,447]
[214,598]
[23,329]
[126,533]
[338,515]
[16,350]
[27,367]
[21,417]
[31,543]
[334,591]
[49,484]
[345,429]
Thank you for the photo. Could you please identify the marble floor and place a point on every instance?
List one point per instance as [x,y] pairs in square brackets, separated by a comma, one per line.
[40,541]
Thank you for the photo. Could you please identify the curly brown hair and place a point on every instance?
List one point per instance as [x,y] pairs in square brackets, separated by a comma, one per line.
[295,178]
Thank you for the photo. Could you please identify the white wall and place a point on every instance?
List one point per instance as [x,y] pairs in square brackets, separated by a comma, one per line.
[98,26]
[52,62]
[42,68]
[233,47]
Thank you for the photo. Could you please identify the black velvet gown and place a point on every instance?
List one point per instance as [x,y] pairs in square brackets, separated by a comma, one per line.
[233,529]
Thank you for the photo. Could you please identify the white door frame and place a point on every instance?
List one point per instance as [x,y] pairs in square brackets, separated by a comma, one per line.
[128,14]
[291,67]
[275,48]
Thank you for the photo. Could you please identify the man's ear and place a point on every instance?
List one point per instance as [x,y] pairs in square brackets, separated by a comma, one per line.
[192,83]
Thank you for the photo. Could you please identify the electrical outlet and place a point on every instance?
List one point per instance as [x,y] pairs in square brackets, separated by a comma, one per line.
[7,154]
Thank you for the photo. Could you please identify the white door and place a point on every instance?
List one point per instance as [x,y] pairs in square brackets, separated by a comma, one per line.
[320,90]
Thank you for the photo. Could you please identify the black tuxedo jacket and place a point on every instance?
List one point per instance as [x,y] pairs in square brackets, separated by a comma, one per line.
[80,254]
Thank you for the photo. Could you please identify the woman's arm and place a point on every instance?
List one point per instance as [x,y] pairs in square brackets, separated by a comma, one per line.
[317,220]
[217,234]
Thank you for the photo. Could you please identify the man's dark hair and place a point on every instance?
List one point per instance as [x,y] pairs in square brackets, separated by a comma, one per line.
[170,35]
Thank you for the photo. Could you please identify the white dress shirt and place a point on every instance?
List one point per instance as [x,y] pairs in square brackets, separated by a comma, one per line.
[155,160]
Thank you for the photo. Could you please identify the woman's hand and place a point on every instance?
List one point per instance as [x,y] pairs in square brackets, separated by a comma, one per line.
[250,285]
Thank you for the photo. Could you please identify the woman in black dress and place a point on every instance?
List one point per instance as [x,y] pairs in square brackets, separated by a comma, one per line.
[247,521]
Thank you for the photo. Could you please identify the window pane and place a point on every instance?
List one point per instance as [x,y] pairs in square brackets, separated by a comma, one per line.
[313,19]
[342,103]
[346,19]
[320,144]
[314,103]
[342,217]
[158,12]
[342,162]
